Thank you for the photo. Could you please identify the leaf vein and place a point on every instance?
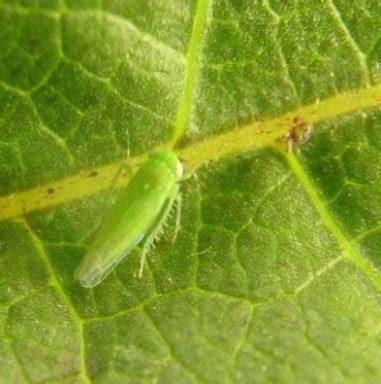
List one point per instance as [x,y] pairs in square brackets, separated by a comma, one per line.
[172,350]
[351,41]
[348,249]
[61,291]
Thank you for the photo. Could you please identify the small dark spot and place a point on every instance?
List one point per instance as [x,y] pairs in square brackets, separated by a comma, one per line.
[93,174]
[51,190]
[297,120]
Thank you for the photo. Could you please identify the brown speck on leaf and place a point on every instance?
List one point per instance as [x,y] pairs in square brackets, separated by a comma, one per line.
[299,133]
[93,174]
[51,190]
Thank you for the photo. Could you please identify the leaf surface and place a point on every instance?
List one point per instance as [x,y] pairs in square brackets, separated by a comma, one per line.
[275,274]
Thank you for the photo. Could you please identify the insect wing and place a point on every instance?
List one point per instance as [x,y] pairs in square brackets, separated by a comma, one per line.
[129,220]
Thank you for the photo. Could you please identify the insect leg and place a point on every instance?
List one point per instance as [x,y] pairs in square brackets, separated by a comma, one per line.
[158,227]
[178,200]
[123,165]
[128,144]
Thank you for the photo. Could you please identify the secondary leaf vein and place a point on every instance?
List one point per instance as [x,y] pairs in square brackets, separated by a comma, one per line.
[347,247]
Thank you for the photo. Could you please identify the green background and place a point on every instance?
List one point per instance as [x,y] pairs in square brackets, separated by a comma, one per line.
[273,279]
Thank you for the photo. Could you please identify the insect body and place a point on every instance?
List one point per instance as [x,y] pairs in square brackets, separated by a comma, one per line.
[138,213]
[299,133]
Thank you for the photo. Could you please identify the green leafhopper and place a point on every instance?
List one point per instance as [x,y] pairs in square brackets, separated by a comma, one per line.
[138,214]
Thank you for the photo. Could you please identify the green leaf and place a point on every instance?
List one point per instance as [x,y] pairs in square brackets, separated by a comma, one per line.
[275,275]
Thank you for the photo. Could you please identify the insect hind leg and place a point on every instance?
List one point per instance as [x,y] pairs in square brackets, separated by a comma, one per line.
[155,232]
[178,201]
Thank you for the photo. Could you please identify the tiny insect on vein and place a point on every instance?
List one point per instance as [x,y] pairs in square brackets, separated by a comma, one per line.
[138,215]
